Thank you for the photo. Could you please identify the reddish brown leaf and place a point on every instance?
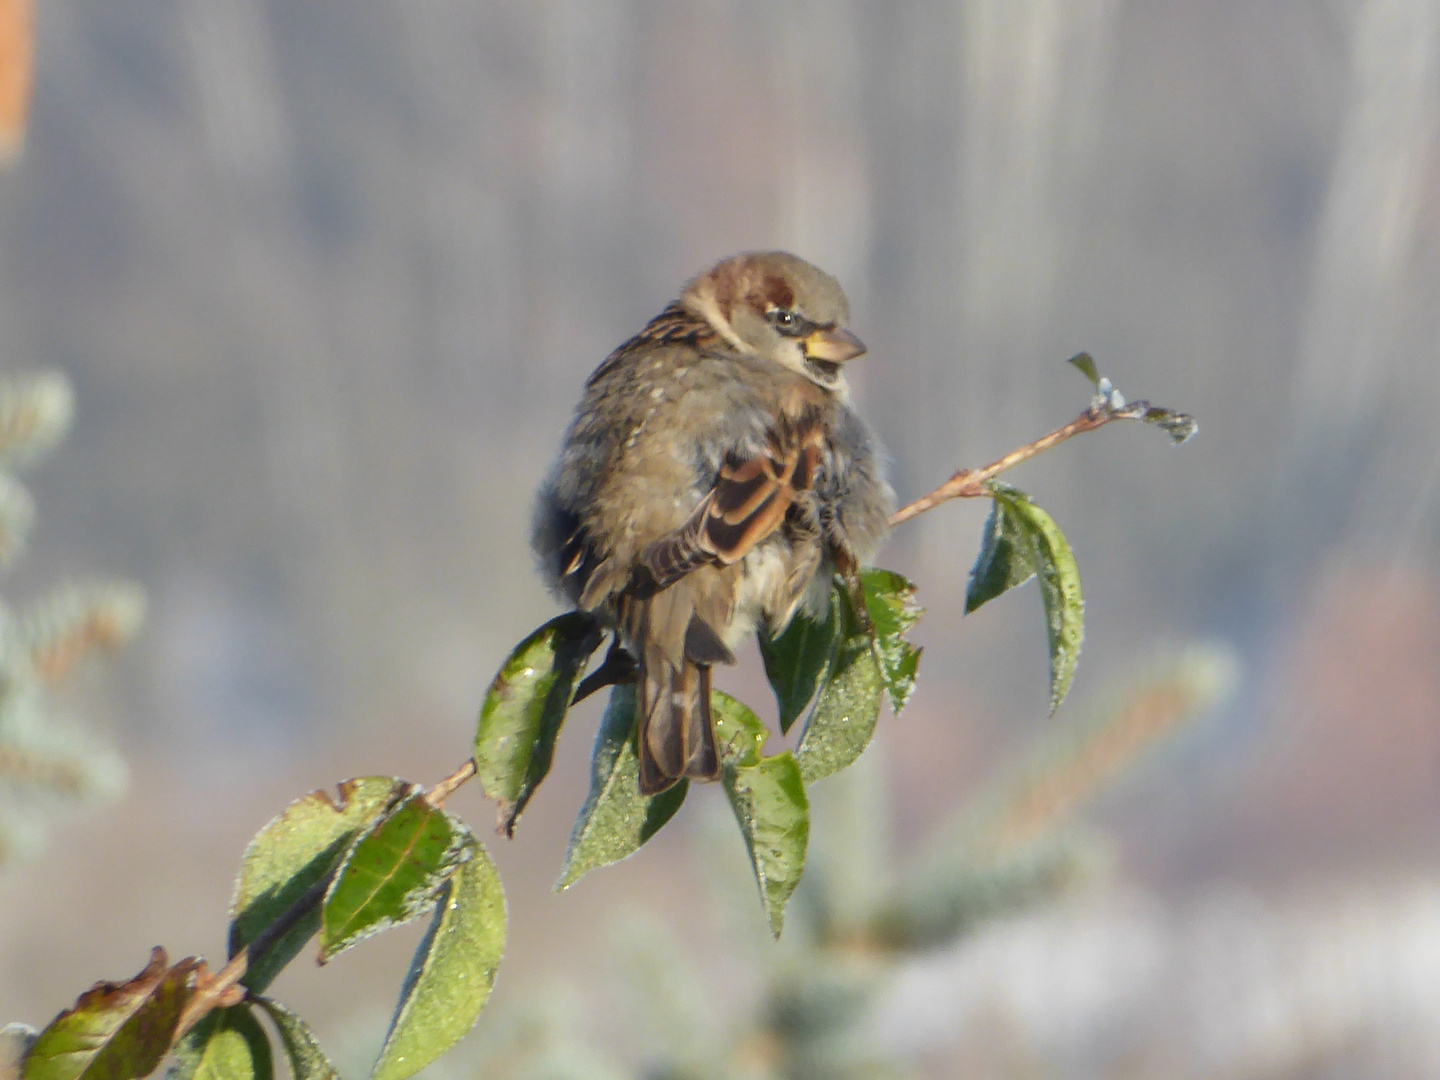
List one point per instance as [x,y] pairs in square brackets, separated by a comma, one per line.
[116,1031]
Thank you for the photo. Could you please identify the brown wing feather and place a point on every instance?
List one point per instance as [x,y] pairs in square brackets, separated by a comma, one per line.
[742,488]
[747,504]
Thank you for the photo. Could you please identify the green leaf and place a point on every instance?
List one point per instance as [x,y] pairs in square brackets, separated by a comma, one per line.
[850,666]
[768,797]
[115,1031]
[890,601]
[307,1060]
[739,734]
[290,855]
[795,662]
[452,974]
[842,721]
[1004,561]
[392,873]
[1086,363]
[527,703]
[616,819]
[227,1044]
[1049,552]
[769,801]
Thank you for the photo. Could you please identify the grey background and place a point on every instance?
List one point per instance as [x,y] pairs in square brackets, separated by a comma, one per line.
[328,277]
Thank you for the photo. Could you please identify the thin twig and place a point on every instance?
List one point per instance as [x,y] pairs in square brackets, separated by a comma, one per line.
[445,788]
[970,483]
[223,988]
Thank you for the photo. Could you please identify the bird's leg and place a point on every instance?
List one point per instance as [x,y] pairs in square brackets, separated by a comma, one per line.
[617,667]
[848,567]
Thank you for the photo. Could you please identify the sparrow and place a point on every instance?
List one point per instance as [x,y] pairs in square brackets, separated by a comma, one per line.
[713,480]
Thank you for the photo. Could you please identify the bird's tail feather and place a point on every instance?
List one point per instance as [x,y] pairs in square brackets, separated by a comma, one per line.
[675,648]
[676,735]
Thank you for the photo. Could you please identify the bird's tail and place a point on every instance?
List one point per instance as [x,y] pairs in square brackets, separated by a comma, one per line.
[675,647]
[676,736]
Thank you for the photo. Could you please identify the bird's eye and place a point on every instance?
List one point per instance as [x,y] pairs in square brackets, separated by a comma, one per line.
[787,322]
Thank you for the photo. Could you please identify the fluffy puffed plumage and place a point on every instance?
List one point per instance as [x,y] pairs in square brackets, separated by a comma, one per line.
[713,479]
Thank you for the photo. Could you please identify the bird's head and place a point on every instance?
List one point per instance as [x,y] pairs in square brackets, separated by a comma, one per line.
[776,306]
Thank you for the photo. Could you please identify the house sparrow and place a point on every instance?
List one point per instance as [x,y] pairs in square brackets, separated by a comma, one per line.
[714,478]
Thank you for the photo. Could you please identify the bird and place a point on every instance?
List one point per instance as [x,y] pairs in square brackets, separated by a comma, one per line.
[713,481]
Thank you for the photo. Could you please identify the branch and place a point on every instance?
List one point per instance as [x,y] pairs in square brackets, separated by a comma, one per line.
[223,989]
[1107,407]
[970,483]
[445,788]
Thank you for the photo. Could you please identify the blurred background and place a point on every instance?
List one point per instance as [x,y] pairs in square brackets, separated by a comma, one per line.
[327,279]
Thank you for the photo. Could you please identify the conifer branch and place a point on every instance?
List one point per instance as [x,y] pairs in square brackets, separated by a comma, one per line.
[19,765]
[78,622]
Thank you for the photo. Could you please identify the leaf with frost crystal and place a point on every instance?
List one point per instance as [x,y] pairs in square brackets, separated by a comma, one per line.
[796,661]
[522,714]
[845,669]
[739,733]
[774,816]
[115,1031]
[307,1060]
[890,601]
[291,854]
[1004,561]
[767,795]
[616,819]
[392,873]
[842,721]
[227,1044]
[452,974]
[1049,553]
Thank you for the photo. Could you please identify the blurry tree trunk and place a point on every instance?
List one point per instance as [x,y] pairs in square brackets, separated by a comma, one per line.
[824,194]
[1367,378]
[1029,104]
[989,203]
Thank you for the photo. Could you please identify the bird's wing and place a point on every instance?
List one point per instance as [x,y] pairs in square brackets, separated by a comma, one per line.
[747,504]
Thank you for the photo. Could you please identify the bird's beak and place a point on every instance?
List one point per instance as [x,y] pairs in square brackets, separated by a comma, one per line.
[833,346]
